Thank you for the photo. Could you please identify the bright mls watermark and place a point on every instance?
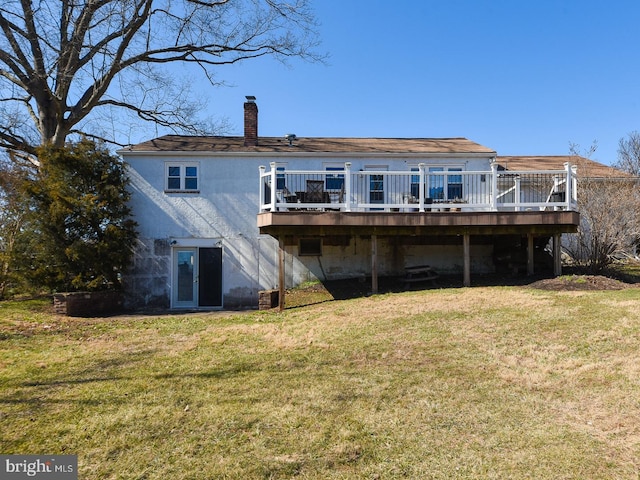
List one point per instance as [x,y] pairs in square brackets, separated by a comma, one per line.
[45,467]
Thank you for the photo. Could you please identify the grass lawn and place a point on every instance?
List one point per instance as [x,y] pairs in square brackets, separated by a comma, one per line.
[485,382]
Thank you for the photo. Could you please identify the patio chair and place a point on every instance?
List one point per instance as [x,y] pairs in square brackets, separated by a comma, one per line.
[315,191]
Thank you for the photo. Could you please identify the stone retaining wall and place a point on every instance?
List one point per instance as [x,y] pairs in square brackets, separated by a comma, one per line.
[268,299]
[88,304]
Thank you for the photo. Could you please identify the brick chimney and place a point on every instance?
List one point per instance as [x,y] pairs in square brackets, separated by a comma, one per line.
[250,122]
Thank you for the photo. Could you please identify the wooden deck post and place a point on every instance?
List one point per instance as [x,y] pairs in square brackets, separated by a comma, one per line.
[530,252]
[374,264]
[281,277]
[466,253]
[557,255]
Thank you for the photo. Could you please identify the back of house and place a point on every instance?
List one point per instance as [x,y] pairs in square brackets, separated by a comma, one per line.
[223,218]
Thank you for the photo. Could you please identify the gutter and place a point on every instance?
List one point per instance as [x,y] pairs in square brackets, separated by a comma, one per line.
[297,154]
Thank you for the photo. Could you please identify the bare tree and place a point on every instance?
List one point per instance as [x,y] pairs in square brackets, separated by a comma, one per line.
[629,154]
[609,223]
[63,61]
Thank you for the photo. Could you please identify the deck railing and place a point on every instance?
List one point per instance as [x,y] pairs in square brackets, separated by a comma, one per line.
[420,190]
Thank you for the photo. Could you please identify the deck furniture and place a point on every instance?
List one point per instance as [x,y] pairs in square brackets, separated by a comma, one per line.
[419,273]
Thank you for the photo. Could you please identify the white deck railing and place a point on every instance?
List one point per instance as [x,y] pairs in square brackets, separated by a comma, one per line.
[420,190]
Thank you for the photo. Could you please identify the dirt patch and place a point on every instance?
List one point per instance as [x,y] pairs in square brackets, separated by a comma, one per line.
[579,282]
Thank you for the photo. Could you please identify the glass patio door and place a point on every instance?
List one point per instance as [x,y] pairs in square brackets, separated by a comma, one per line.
[184,278]
[197,277]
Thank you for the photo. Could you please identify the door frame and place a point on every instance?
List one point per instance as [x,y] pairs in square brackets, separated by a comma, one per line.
[175,278]
[376,168]
[193,244]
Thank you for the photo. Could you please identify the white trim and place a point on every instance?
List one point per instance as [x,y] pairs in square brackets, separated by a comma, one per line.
[336,164]
[173,290]
[183,165]
[195,242]
[382,171]
[334,155]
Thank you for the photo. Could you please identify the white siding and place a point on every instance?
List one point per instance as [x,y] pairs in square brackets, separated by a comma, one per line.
[225,211]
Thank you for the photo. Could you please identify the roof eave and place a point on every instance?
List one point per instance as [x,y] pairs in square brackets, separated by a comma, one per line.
[299,154]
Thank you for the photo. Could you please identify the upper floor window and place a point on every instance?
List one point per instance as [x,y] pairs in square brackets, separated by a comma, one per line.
[182,177]
[334,180]
[454,185]
[415,183]
[280,178]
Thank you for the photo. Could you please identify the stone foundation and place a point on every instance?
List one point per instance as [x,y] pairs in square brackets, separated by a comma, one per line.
[268,299]
[88,304]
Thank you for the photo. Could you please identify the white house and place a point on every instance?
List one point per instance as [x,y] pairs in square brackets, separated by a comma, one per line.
[222,218]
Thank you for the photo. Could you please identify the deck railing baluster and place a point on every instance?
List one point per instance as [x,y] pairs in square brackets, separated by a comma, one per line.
[377,190]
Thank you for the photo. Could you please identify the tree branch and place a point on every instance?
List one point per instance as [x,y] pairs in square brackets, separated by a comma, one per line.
[66,56]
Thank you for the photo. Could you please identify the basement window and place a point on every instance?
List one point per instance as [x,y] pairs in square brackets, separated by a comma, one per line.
[310,247]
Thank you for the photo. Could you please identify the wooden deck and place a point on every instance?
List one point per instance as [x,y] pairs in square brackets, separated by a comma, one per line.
[414,223]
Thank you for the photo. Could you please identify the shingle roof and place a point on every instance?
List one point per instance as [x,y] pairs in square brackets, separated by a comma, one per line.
[586,167]
[187,143]
[180,143]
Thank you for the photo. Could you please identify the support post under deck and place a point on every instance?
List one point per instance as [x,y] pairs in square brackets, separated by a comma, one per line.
[374,264]
[466,253]
[281,276]
[530,252]
[557,255]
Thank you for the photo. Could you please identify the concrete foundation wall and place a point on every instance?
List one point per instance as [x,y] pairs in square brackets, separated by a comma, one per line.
[248,266]
[355,260]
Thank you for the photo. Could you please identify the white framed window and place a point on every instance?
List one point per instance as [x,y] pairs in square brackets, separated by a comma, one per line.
[182,177]
[334,178]
[415,183]
[281,178]
[445,187]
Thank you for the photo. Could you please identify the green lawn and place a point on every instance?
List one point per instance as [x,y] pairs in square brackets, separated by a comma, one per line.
[486,382]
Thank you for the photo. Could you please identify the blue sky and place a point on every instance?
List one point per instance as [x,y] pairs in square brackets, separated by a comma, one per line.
[522,77]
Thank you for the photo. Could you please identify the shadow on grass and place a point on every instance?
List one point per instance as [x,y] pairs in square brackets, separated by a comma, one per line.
[361,287]
[44,386]
[232,371]
[356,288]
[73,381]
[628,272]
